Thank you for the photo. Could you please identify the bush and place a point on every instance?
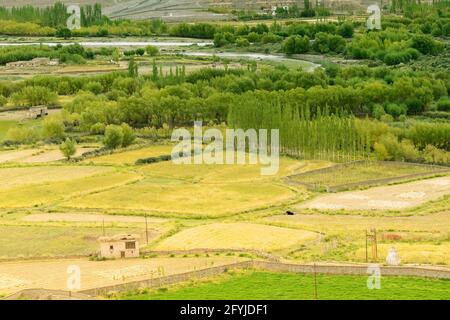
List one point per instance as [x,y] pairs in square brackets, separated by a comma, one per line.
[68,148]
[433,155]
[296,44]
[98,128]
[152,51]
[140,51]
[381,152]
[22,135]
[128,135]
[3,101]
[378,111]
[396,110]
[426,44]
[442,105]
[94,87]
[346,30]
[53,129]
[113,136]
[242,42]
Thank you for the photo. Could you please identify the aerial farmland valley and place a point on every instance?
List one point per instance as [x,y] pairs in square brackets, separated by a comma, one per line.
[224,150]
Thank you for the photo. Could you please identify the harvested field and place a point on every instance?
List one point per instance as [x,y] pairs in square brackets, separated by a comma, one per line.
[236,236]
[15,276]
[41,194]
[393,197]
[31,241]
[165,196]
[38,155]
[20,176]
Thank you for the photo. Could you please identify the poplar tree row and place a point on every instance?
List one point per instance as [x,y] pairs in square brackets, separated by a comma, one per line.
[304,132]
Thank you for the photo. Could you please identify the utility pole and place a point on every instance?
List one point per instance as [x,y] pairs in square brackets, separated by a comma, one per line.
[146,228]
[367,258]
[315,282]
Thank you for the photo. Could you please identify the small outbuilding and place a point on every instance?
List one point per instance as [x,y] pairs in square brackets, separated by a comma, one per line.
[119,246]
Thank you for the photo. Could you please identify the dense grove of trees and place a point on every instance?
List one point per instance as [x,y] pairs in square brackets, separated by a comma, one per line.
[66,54]
[327,106]
[53,16]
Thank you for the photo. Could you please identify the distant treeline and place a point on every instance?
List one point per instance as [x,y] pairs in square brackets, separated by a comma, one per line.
[53,16]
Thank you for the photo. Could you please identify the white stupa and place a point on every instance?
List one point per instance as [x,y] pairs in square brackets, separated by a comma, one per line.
[392,258]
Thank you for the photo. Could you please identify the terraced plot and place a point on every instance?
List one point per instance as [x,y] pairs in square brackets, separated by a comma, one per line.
[384,198]
[236,236]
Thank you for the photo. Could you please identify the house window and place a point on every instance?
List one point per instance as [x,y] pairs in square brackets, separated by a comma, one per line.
[111,247]
[130,245]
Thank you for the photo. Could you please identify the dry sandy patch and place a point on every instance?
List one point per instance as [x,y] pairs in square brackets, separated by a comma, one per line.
[16,276]
[384,198]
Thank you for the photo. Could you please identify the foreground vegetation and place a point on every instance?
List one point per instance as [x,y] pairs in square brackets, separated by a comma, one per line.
[259,285]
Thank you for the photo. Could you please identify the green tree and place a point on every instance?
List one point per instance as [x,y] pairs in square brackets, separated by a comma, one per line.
[53,129]
[128,135]
[132,68]
[68,148]
[113,136]
[152,51]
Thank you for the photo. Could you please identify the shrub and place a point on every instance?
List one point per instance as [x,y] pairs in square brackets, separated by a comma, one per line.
[395,110]
[113,136]
[381,152]
[94,87]
[378,111]
[140,51]
[22,135]
[442,105]
[3,101]
[346,30]
[53,129]
[98,128]
[68,148]
[152,51]
[431,154]
[128,135]
[242,42]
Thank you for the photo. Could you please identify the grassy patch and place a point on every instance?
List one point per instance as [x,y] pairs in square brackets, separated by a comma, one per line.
[290,286]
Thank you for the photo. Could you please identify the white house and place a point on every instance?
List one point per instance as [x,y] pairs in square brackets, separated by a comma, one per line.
[119,246]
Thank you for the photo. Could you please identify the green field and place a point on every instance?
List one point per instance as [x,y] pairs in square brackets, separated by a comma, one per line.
[289,286]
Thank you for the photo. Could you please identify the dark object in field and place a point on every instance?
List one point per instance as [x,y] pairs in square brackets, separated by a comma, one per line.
[290,213]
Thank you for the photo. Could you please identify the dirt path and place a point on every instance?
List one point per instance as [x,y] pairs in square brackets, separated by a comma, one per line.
[384,198]
[81,217]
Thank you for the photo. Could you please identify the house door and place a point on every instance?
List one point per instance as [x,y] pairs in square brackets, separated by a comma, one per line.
[122,254]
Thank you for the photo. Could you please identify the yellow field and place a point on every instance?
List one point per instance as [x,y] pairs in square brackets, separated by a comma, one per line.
[20,176]
[236,236]
[239,209]
[423,253]
[41,194]
[197,190]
